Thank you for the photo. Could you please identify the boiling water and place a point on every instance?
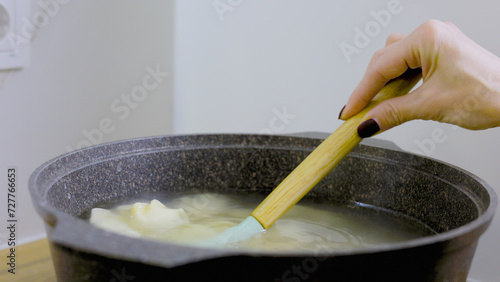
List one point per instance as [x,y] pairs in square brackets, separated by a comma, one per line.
[190,218]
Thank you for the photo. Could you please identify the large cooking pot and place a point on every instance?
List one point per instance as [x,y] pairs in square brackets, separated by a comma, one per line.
[453,202]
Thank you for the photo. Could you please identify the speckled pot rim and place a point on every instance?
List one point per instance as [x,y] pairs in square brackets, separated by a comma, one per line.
[84,236]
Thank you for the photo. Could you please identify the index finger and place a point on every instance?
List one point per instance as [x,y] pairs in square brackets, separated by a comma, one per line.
[387,63]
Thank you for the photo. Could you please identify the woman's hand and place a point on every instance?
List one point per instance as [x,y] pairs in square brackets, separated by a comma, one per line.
[461,81]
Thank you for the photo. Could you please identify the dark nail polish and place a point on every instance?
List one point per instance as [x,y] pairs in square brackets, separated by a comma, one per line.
[367,128]
[341,111]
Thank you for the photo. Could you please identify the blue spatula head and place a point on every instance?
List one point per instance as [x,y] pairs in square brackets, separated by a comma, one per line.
[241,232]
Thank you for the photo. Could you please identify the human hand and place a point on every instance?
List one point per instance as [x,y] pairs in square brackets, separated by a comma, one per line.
[458,86]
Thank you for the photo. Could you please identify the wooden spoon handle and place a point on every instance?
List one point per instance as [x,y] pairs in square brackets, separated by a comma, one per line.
[326,156]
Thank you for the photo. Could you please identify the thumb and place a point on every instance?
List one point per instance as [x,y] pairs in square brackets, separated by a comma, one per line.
[391,113]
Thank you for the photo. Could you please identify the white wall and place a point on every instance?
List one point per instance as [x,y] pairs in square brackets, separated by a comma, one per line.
[238,68]
[86,56]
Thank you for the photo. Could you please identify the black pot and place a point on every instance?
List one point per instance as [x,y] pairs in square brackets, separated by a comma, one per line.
[453,202]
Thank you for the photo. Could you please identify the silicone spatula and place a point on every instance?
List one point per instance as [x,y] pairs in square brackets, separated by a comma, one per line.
[313,168]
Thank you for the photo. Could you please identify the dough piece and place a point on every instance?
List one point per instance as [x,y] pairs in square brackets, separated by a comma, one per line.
[157,215]
[110,221]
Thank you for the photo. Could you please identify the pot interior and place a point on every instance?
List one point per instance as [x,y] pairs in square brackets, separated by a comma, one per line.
[440,196]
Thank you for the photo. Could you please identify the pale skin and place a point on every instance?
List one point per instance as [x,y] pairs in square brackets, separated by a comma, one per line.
[461,80]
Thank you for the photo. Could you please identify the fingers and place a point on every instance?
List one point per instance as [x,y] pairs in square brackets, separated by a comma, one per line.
[395,37]
[401,52]
[386,115]
[387,63]
[396,111]
[453,67]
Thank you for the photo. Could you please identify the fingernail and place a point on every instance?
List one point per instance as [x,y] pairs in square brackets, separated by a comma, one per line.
[367,128]
[341,111]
